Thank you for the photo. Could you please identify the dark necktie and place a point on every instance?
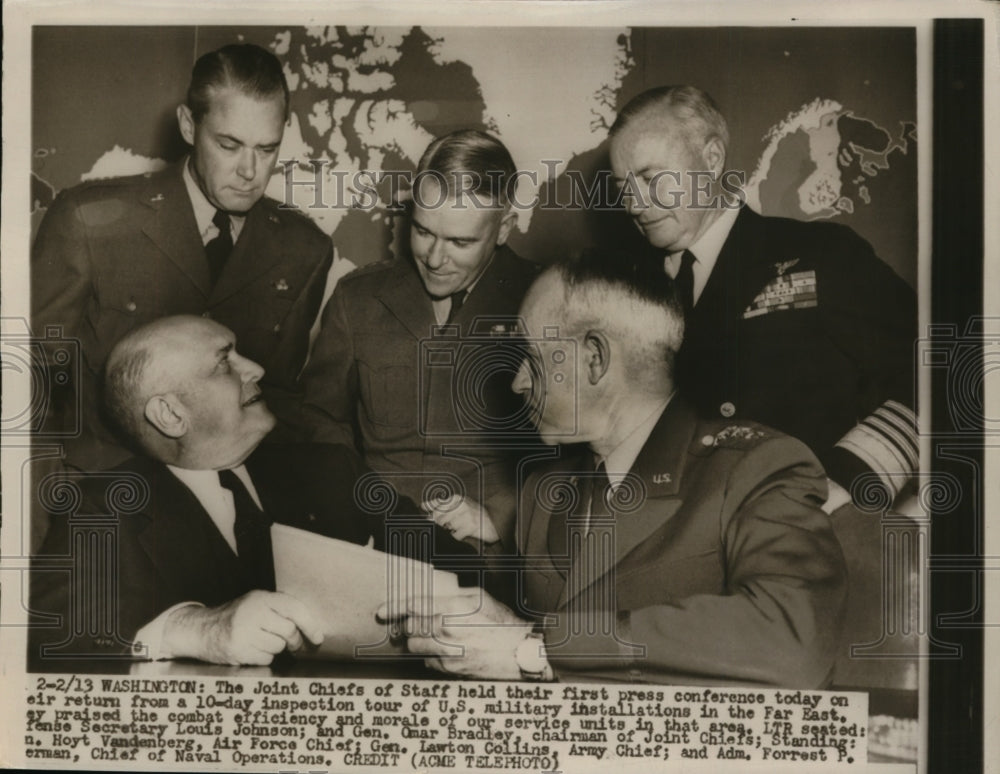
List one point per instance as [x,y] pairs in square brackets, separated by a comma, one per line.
[592,492]
[457,299]
[218,249]
[685,281]
[253,534]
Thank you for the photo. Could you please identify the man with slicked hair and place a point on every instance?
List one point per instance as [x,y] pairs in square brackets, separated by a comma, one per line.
[795,324]
[198,237]
[414,357]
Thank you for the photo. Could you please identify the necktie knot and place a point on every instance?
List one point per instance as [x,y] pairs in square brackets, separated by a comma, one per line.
[457,299]
[221,220]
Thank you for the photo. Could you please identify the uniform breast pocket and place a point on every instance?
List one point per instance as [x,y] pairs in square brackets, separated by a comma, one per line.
[389,393]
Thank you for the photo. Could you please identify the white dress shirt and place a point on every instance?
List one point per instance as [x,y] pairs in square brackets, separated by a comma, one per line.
[204,211]
[705,251]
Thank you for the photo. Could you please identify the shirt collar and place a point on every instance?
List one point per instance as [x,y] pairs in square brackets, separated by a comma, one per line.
[204,210]
[708,247]
[202,482]
[620,460]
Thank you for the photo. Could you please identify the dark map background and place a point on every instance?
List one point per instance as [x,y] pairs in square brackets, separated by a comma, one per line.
[822,119]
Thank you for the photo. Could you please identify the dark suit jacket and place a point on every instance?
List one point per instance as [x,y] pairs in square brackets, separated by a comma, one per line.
[160,547]
[112,255]
[384,377]
[718,565]
[840,353]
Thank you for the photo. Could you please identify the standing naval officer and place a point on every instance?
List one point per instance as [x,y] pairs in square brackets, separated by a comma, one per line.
[797,325]
[198,237]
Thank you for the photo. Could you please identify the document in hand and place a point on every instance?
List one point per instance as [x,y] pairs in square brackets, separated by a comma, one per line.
[344,584]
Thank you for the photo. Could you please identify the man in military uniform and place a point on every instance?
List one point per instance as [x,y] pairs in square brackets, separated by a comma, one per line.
[797,325]
[672,549]
[414,358]
[199,238]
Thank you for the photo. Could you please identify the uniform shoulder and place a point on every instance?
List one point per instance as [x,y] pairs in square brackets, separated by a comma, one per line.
[370,274]
[713,435]
[293,218]
[813,236]
[130,187]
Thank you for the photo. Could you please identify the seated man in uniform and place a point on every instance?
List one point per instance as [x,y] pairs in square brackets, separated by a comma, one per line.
[192,573]
[674,548]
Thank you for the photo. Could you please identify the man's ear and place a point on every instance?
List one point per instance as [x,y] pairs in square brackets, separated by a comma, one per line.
[165,413]
[506,224]
[714,154]
[597,354]
[185,121]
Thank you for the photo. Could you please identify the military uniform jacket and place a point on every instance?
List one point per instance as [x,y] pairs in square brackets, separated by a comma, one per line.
[802,327]
[112,255]
[717,564]
[426,405]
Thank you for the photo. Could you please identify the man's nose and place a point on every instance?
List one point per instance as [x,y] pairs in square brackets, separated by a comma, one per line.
[247,165]
[522,379]
[634,203]
[435,257]
[248,370]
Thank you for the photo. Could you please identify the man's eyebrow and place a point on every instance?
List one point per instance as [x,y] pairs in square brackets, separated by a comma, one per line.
[223,352]
[238,141]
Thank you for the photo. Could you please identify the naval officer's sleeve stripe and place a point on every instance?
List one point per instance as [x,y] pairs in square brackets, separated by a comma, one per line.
[886,442]
[892,438]
[901,431]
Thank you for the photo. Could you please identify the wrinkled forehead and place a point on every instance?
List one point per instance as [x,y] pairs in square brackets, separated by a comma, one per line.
[544,306]
[461,190]
[648,133]
[185,344]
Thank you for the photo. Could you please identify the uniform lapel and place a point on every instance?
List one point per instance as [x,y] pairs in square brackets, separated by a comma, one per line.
[403,294]
[257,250]
[650,496]
[172,226]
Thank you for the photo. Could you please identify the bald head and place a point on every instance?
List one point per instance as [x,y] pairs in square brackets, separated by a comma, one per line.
[181,393]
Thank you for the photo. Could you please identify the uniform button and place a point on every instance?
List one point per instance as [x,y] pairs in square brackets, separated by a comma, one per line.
[727,409]
[277,328]
[708,440]
[131,306]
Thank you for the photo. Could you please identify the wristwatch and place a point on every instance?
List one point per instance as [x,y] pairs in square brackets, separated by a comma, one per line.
[531,659]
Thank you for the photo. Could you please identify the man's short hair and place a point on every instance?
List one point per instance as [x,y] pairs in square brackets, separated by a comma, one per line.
[695,109]
[253,70]
[629,296]
[472,162]
[123,377]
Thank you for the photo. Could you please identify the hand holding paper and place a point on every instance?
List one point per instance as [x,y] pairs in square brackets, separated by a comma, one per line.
[251,629]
